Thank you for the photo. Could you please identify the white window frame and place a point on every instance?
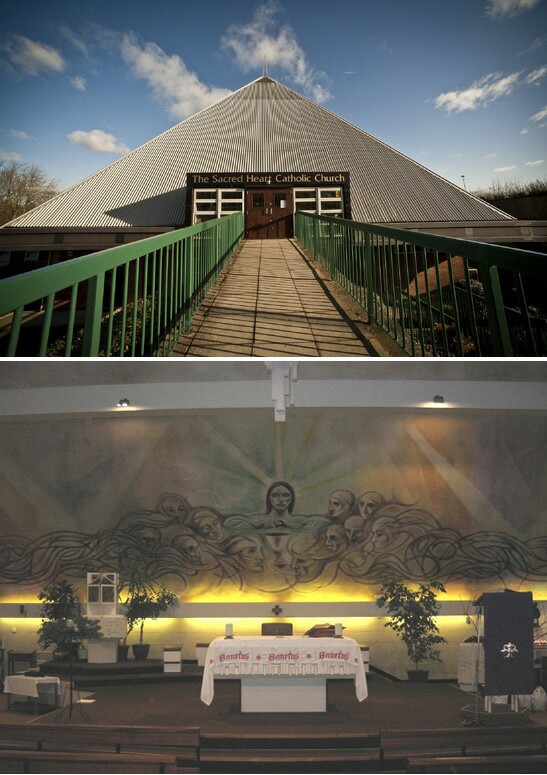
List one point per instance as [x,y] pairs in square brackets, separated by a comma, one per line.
[316,202]
[219,200]
[332,211]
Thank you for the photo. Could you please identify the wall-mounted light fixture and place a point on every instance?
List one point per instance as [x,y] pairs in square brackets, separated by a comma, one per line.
[123,402]
[437,402]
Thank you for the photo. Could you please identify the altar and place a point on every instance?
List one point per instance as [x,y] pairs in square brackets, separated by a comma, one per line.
[283,673]
[105,649]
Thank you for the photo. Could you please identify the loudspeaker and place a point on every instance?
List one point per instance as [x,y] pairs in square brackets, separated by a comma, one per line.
[508,642]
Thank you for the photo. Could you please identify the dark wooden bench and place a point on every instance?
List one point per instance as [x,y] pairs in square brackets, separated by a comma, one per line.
[284,750]
[483,740]
[15,761]
[494,763]
[102,748]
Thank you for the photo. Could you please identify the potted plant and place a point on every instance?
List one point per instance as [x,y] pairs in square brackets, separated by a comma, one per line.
[63,622]
[144,599]
[412,615]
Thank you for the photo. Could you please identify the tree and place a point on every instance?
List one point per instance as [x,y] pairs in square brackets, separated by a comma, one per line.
[22,187]
[144,599]
[412,615]
[63,622]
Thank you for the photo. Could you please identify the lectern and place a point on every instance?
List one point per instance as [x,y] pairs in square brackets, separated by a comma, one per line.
[508,643]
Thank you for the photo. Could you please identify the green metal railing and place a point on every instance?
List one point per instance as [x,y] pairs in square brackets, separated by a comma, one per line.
[132,300]
[436,296]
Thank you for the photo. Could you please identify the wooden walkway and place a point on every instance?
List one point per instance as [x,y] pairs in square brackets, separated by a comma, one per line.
[273,301]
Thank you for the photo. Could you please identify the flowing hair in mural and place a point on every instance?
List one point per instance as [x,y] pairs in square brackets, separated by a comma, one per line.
[360,540]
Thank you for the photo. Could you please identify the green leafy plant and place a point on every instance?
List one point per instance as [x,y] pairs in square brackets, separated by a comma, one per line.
[144,598]
[64,624]
[126,323]
[412,615]
[147,604]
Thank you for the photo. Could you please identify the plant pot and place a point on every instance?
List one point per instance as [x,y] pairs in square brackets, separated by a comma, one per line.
[417,675]
[141,650]
[123,652]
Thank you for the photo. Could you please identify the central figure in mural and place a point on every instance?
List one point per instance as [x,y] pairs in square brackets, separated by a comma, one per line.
[276,526]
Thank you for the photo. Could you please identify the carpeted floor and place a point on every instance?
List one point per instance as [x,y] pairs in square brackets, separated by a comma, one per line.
[391,705]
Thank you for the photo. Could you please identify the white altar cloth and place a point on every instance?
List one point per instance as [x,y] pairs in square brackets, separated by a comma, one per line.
[26,685]
[283,657]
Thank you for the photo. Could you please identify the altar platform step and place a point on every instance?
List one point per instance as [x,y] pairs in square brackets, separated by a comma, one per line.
[133,671]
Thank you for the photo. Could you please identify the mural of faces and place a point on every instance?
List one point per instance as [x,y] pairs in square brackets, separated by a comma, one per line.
[361,540]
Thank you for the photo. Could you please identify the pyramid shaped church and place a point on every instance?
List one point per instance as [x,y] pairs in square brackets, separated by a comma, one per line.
[262,147]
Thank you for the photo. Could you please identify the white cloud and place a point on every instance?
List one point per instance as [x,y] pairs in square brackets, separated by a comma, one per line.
[18,134]
[536,163]
[536,43]
[487,89]
[78,82]
[491,156]
[540,115]
[33,57]
[524,131]
[509,168]
[498,9]
[171,82]
[536,75]
[262,41]
[73,38]
[482,92]
[98,141]
[7,156]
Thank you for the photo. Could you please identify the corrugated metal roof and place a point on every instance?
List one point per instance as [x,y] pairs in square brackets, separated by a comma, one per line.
[263,126]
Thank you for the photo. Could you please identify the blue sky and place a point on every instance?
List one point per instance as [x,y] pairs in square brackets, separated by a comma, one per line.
[457,85]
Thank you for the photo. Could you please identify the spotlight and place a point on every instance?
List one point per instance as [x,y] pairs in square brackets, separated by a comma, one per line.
[123,402]
[438,399]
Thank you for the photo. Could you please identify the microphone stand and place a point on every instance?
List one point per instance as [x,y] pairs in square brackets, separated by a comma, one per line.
[476,722]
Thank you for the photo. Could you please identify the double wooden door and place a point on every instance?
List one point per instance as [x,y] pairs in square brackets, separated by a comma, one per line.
[268,213]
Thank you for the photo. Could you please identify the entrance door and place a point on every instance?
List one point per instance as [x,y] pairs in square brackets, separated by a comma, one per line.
[268,213]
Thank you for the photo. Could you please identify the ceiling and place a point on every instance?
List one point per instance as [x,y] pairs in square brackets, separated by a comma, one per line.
[89,387]
[16,375]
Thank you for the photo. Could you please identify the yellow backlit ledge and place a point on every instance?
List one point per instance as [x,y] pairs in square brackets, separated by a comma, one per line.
[457,592]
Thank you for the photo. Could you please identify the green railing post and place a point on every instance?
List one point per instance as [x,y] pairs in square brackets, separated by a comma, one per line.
[369,273]
[496,314]
[93,311]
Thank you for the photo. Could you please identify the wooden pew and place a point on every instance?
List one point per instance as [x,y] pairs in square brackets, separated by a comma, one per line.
[96,748]
[492,763]
[320,753]
[466,741]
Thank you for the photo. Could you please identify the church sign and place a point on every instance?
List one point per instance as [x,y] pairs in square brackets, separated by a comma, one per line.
[240,179]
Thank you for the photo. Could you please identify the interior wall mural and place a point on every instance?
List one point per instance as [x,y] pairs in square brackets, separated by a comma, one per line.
[326,506]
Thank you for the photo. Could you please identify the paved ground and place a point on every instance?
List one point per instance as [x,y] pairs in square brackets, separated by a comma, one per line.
[273,301]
